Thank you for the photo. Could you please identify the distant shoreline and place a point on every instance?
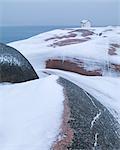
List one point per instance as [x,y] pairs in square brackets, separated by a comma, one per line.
[14,33]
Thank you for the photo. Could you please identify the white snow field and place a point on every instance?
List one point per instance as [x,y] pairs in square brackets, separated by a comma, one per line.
[30,114]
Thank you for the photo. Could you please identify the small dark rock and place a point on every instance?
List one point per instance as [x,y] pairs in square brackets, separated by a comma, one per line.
[100,34]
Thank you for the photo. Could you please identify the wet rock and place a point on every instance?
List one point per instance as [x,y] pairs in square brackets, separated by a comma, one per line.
[14,67]
[93,125]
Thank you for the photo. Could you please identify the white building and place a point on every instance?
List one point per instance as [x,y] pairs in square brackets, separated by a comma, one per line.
[85,24]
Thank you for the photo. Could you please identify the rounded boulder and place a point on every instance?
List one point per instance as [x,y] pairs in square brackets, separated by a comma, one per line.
[14,67]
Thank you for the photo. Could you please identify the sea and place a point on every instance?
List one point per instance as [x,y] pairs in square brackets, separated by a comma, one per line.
[14,33]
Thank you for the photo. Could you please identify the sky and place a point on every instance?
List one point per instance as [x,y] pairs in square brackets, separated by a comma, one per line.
[59,12]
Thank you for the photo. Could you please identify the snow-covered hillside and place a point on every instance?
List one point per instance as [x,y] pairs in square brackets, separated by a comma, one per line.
[93,50]
[31,112]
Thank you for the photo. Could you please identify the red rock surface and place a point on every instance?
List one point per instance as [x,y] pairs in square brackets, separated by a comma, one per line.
[113,48]
[115,67]
[84,32]
[112,51]
[66,134]
[67,65]
[115,45]
[69,42]
[62,37]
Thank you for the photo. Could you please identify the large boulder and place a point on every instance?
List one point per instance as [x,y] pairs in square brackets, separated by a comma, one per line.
[14,67]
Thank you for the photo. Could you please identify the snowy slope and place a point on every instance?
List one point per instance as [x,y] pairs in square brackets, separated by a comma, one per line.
[86,45]
[30,114]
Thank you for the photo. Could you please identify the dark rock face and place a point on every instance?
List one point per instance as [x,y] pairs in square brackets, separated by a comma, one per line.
[14,67]
[94,127]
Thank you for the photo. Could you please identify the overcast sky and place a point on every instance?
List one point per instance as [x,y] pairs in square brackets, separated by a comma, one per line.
[59,12]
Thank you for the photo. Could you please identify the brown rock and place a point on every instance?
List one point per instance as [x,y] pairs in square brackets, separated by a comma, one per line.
[115,67]
[62,37]
[69,42]
[115,45]
[84,32]
[67,65]
[111,51]
[66,134]
[113,48]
